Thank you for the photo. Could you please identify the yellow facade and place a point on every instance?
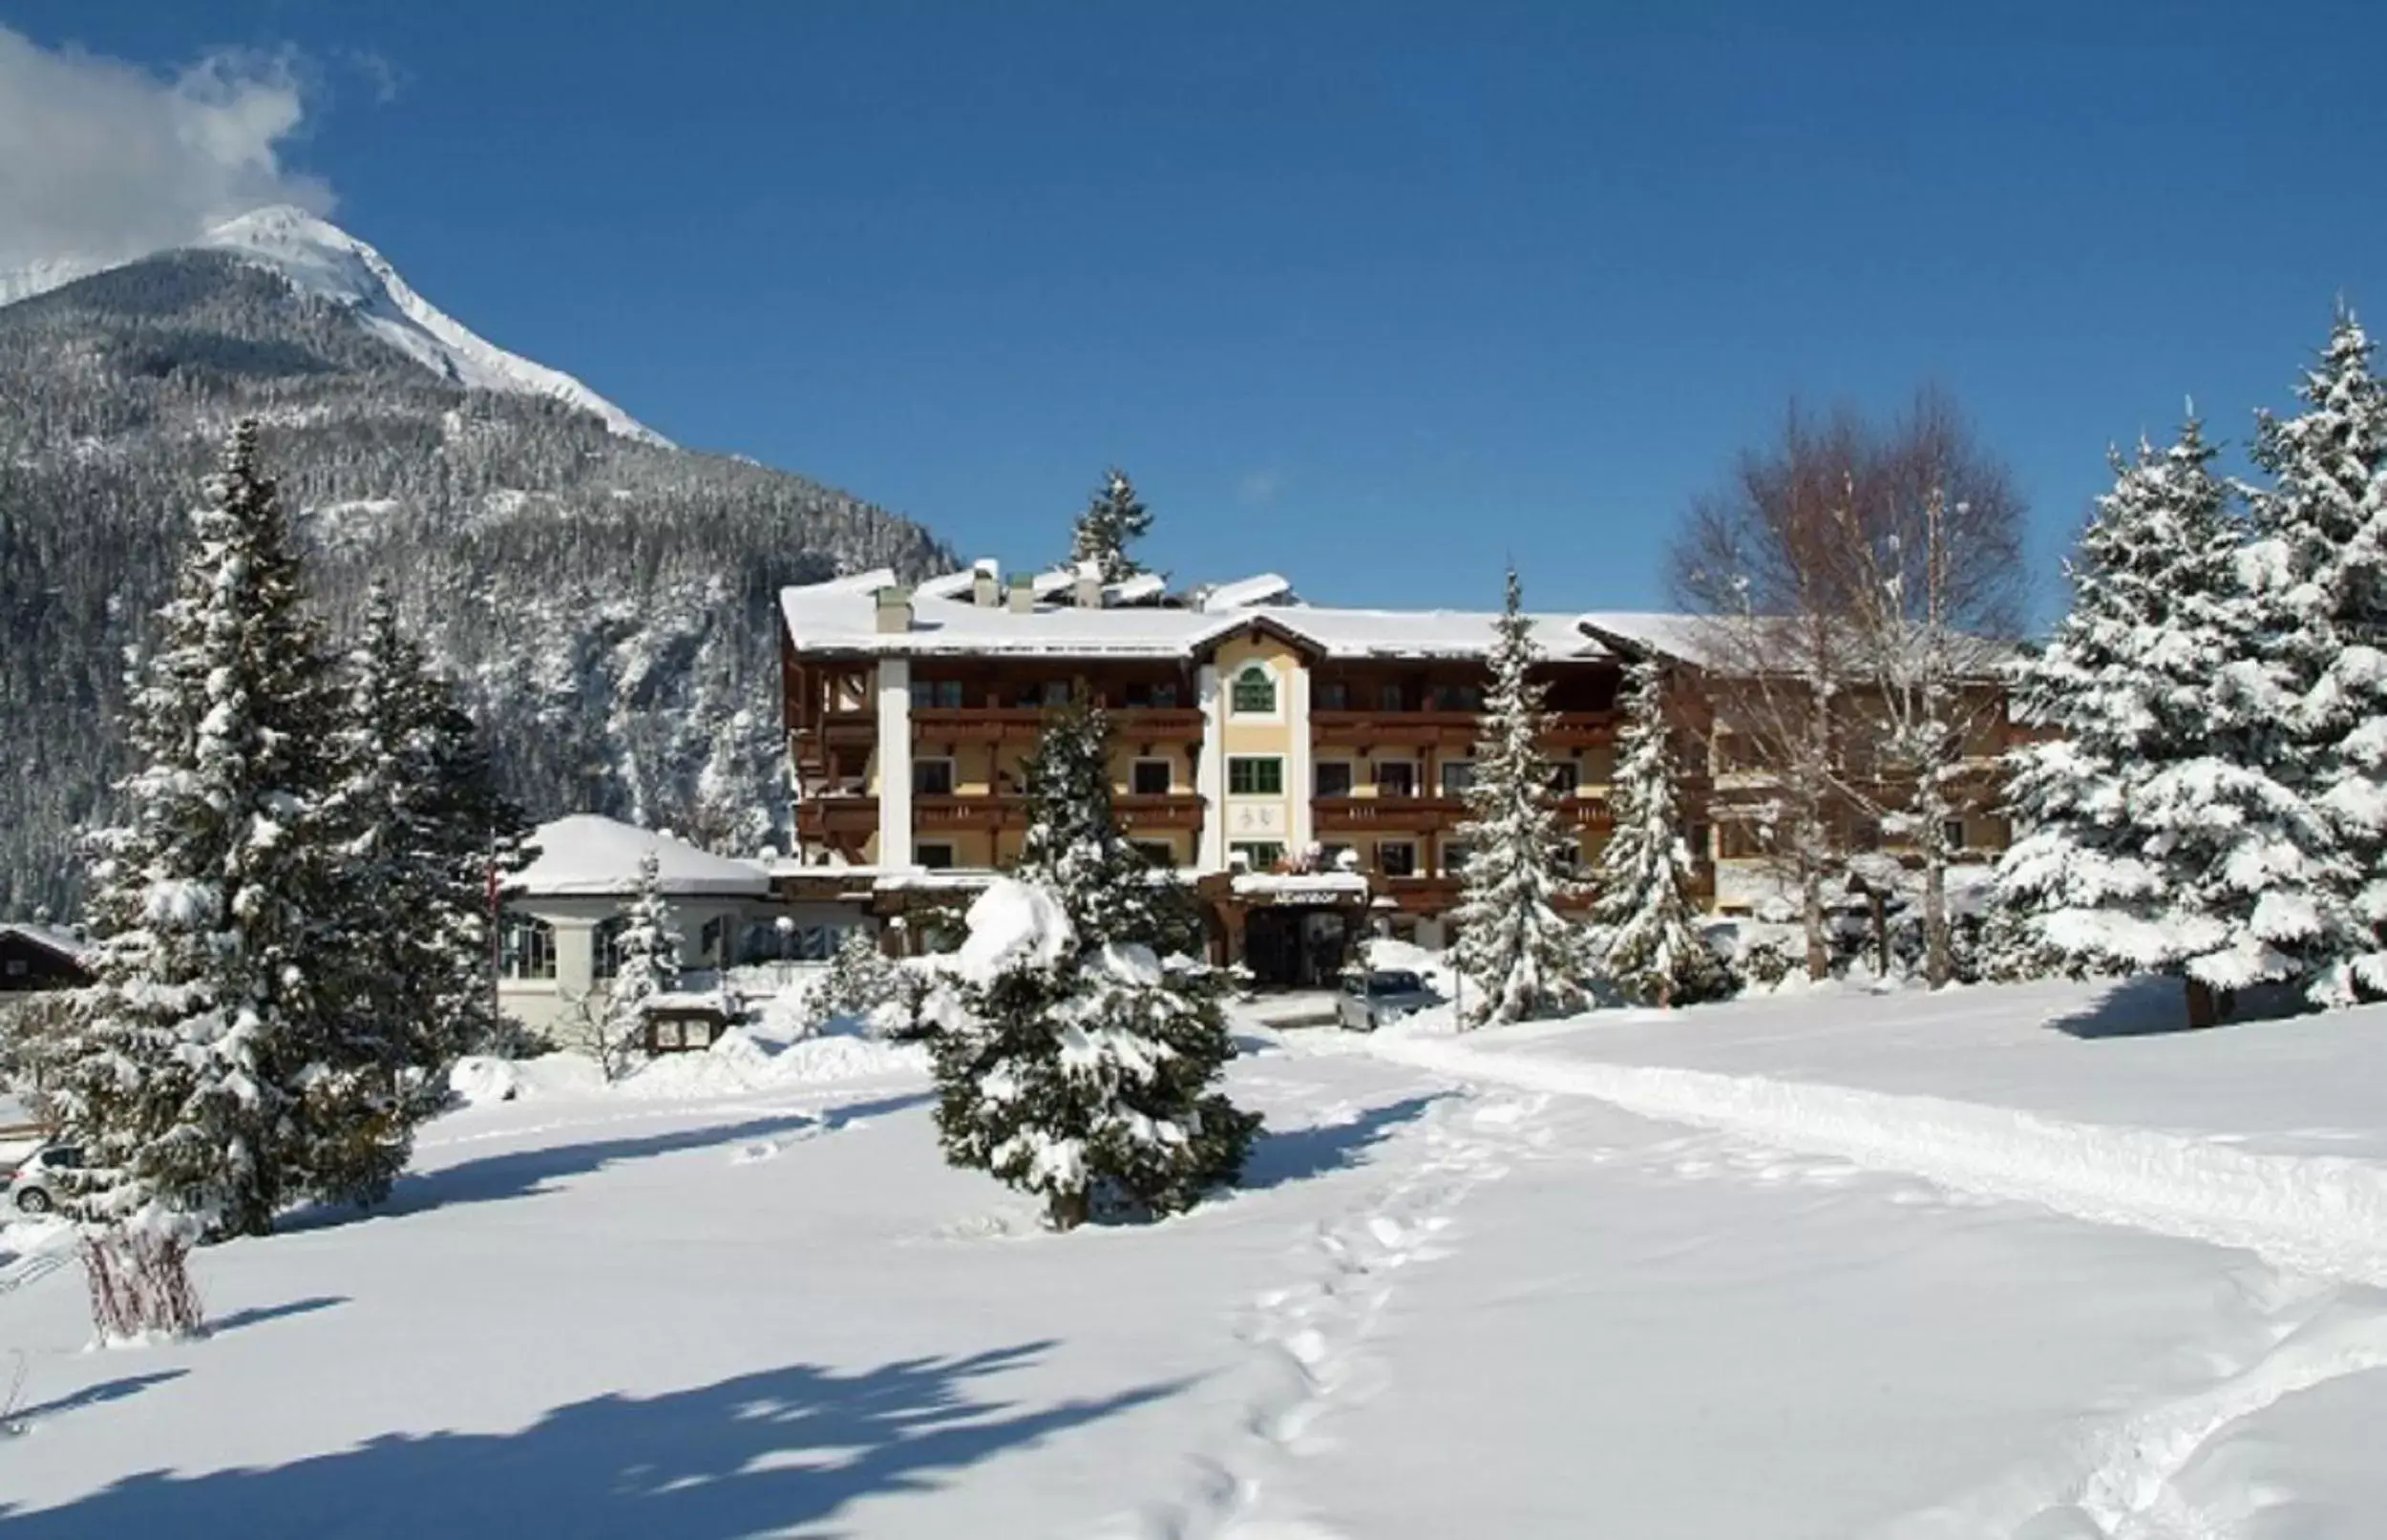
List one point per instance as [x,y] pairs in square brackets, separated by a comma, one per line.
[1253,818]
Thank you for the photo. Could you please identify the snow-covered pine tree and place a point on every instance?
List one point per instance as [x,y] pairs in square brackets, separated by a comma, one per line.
[213,898]
[1075,848]
[422,831]
[1083,1075]
[1645,914]
[2317,570]
[646,963]
[1115,517]
[1524,959]
[2153,836]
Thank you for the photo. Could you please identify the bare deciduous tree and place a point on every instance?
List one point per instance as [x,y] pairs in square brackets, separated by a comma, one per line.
[1848,575]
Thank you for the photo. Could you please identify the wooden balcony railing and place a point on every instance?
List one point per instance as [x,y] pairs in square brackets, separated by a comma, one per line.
[1367,728]
[1024,724]
[1010,810]
[1360,814]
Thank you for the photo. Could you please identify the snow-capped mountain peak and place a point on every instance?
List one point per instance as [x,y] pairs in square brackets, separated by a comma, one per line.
[320,259]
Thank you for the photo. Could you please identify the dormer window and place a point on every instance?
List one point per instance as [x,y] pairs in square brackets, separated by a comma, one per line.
[1255,691]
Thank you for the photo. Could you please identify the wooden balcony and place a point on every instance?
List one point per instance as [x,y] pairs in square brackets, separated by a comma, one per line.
[851,727]
[819,818]
[1423,895]
[1588,813]
[1010,810]
[1149,724]
[1026,724]
[1339,815]
[976,723]
[1582,730]
[1367,729]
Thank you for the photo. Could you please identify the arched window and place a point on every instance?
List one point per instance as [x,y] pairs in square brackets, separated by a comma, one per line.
[608,942]
[526,948]
[1255,691]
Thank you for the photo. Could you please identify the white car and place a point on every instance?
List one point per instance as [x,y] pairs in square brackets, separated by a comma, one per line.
[34,1188]
[1369,1001]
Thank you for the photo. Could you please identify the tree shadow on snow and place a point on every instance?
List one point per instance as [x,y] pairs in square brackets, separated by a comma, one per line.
[93,1396]
[2152,1006]
[1279,1156]
[778,1451]
[257,1314]
[527,1173]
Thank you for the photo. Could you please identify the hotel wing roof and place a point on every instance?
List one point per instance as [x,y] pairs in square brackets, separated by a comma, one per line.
[841,616]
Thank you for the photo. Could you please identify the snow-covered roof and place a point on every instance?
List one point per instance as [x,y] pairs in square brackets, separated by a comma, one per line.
[1296,885]
[584,853]
[1708,642]
[842,616]
[68,944]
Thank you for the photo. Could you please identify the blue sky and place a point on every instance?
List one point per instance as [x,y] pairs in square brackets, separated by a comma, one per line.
[1379,295]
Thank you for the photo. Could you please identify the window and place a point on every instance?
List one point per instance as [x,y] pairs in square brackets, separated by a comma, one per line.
[936,692]
[1258,854]
[608,946]
[1335,858]
[1457,775]
[712,942]
[1142,694]
[1255,691]
[1396,778]
[1565,775]
[1255,775]
[1458,698]
[1737,753]
[1455,855]
[1739,841]
[1332,695]
[781,939]
[1396,857]
[937,857]
[526,949]
[1151,777]
[1334,777]
[1951,835]
[1158,851]
[1695,837]
[1388,698]
[1056,692]
[932,778]
[16,968]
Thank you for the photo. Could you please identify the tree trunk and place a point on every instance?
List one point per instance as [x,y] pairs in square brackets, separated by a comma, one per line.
[1812,915]
[2208,1006]
[1938,966]
[1071,1210]
[1880,902]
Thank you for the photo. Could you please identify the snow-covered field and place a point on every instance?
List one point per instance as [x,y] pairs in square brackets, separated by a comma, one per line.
[1986,1264]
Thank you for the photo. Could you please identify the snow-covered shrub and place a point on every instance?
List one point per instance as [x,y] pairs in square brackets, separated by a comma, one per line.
[860,979]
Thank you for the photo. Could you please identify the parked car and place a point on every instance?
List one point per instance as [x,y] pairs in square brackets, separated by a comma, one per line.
[34,1188]
[1371,1000]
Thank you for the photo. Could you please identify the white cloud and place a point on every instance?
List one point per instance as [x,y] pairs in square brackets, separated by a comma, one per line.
[101,160]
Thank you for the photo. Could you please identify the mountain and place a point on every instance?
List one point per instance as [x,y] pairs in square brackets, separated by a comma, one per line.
[605,597]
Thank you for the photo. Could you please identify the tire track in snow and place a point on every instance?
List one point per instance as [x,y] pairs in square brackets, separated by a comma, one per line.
[1313,1336]
[2324,1215]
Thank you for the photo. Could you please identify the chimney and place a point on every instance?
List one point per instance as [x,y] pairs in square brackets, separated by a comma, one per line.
[894,609]
[1089,589]
[1023,593]
[985,586]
